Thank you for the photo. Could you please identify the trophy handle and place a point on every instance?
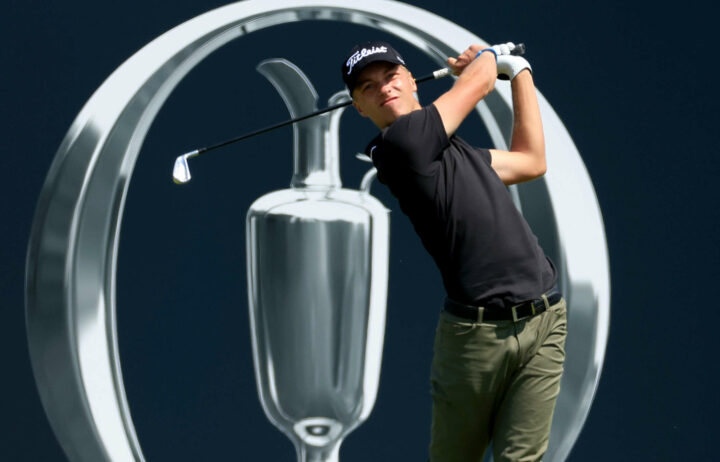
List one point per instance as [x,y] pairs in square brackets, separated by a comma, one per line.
[314,166]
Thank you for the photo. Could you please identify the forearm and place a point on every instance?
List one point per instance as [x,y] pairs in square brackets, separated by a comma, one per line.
[525,160]
[476,80]
[527,137]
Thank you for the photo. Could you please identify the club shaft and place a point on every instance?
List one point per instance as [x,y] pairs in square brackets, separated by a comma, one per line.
[440,73]
[273,127]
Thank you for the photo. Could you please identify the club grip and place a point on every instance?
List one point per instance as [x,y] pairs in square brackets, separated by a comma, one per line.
[518,50]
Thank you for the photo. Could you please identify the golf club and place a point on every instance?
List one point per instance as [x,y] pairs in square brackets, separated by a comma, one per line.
[181,169]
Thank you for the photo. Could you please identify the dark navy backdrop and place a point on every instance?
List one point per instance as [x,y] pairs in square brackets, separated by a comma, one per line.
[629,82]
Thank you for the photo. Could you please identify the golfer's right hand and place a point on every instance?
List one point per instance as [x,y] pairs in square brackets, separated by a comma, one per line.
[463,60]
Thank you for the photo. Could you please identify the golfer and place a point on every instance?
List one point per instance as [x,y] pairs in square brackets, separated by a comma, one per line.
[499,345]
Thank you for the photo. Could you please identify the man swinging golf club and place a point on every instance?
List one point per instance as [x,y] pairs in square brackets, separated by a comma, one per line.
[499,345]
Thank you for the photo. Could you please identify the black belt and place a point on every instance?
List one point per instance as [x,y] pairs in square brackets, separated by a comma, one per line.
[512,313]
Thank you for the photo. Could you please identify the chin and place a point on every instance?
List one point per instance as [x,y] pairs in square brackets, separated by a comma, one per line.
[387,122]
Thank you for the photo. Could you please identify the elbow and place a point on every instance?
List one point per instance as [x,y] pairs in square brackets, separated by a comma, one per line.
[538,155]
[541,168]
[535,165]
[538,166]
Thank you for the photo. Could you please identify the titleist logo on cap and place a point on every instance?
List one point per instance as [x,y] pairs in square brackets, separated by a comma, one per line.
[360,54]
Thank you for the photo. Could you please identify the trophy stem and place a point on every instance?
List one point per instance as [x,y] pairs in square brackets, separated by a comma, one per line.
[308,453]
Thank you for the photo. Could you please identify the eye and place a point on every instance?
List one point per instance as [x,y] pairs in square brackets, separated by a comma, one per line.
[366,87]
[392,76]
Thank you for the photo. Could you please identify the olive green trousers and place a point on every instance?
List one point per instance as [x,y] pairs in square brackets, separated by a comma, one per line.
[496,381]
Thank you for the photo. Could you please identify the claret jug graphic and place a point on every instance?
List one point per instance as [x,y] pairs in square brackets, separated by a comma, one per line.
[317,284]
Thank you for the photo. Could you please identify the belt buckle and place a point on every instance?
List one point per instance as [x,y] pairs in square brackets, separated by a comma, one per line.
[515,316]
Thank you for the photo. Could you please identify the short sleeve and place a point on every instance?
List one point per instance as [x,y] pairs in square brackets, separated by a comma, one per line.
[419,138]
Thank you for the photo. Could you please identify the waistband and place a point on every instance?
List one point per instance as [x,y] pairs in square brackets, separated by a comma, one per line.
[512,313]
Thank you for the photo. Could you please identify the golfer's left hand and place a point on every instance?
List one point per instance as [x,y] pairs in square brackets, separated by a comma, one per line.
[510,66]
[503,49]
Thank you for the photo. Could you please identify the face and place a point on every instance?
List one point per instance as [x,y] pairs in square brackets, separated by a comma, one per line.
[383,92]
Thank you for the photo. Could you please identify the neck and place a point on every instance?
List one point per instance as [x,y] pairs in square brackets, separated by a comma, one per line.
[416,107]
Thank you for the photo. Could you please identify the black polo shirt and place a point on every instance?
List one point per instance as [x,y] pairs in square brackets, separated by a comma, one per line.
[462,212]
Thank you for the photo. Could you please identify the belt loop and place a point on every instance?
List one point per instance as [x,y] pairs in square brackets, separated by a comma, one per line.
[547,303]
[480,313]
[514,313]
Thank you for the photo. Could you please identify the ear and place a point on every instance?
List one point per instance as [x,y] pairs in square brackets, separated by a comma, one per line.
[413,84]
[357,108]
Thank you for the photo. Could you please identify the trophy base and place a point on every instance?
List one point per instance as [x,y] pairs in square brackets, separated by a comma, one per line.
[318,431]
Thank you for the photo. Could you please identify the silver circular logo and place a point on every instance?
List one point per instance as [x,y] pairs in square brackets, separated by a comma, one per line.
[71,267]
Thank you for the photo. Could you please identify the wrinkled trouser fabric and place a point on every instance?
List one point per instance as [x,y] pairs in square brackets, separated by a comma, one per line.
[496,381]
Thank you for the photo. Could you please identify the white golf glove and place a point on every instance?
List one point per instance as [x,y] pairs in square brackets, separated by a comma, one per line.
[503,49]
[508,66]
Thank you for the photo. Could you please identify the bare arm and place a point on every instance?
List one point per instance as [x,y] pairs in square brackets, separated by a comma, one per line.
[477,79]
[526,159]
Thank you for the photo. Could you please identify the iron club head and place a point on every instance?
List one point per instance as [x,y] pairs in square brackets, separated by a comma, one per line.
[181,169]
